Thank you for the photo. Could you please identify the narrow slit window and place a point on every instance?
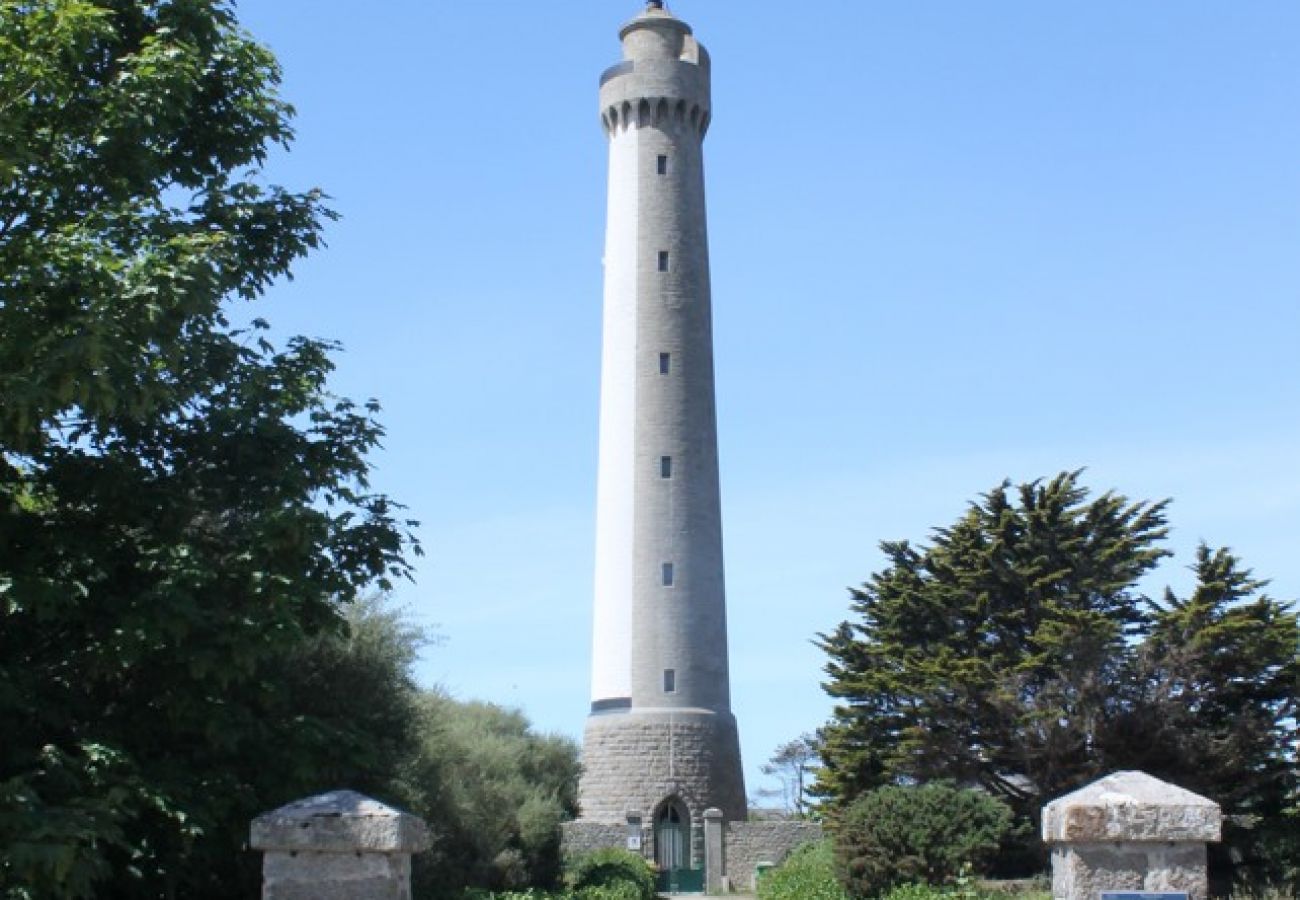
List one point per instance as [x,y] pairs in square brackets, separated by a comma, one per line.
[661,166]
[665,467]
[670,681]
[667,574]
[663,260]
[665,363]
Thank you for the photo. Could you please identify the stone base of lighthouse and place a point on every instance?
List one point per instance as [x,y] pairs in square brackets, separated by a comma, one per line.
[634,761]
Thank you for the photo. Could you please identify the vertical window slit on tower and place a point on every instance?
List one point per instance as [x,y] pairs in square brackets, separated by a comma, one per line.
[667,574]
[670,681]
[663,260]
[665,361]
[662,165]
[665,467]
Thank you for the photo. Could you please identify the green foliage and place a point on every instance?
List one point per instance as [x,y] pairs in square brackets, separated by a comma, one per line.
[615,891]
[353,696]
[916,892]
[611,869]
[1217,709]
[1016,653]
[183,505]
[896,835]
[611,874]
[807,874]
[494,793]
[962,891]
[995,650]
[619,890]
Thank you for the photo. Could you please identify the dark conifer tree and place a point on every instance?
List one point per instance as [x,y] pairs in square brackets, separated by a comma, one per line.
[1015,652]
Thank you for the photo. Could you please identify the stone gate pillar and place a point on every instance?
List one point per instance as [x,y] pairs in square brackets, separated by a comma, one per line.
[714,864]
[337,846]
[1126,833]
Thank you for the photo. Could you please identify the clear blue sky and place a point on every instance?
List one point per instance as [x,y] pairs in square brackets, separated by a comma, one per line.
[952,242]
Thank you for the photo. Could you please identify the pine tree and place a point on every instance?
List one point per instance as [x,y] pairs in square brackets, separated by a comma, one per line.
[992,656]
[1016,653]
[1220,677]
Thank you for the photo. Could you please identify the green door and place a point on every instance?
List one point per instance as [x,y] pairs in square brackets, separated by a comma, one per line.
[673,852]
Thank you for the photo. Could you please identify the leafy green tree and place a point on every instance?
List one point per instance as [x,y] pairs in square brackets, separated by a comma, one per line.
[1016,653]
[354,697]
[494,793]
[182,504]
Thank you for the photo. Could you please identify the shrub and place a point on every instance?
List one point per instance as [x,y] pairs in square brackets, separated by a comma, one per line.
[917,892]
[622,890]
[619,890]
[966,887]
[611,874]
[896,835]
[807,874]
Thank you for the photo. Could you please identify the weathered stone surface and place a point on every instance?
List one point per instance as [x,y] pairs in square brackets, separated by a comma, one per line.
[583,837]
[1129,832]
[634,761]
[374,889]
[313,866]
[727,850]
[337,846]
[746,844]
[1082,871]
[714,865]
[340,821]
[1131,806]
[336,876]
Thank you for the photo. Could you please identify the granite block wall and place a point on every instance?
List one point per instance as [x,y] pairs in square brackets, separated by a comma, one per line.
[746,844]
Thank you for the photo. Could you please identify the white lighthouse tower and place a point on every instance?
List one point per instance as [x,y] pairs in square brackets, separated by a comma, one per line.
[661,745]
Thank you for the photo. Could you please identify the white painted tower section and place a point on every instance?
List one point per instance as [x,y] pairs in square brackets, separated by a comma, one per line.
[611,674]
[661,728]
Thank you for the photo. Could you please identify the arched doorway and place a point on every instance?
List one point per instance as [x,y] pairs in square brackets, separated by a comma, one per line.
[673,849]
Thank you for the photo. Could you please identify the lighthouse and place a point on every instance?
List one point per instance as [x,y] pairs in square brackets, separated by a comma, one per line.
[660,746]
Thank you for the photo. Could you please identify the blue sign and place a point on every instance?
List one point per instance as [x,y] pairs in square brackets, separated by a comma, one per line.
[1143,895]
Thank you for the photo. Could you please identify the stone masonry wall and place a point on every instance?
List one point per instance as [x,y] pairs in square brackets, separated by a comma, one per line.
[335,876]
[583,837]
[634,761]
[337,846]
[1085,870]
[746,844]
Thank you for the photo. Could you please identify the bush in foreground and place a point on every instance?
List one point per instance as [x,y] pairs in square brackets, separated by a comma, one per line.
[807,874]
[896,835]
[610,874]
[619,891]
[967,887]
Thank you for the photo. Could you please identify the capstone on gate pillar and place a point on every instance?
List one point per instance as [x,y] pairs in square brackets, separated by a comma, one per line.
[337,846]
[1130,833]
